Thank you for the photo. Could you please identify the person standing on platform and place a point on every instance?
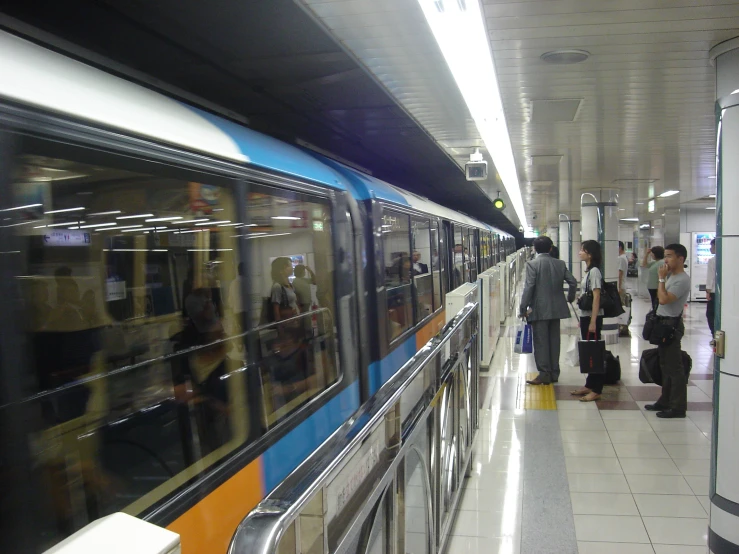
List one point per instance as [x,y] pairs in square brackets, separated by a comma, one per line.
[591,322]
[623,271]
[543,304]
[673,292]
[658,253]
[710,287]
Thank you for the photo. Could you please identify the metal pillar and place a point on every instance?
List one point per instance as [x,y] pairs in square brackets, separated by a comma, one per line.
[724,486]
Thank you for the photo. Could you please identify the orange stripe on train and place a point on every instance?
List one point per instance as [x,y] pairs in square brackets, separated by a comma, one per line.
[209,526]
[431,329]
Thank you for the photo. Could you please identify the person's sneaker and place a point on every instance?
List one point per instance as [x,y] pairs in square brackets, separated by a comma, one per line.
[669,414]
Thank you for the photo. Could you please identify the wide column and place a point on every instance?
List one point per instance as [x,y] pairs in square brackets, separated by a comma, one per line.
[599,216]
[724,485]
[565,240]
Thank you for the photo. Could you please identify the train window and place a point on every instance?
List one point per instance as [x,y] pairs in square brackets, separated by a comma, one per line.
[437,266]
[398,265]
[421,267]
[132,343]
[292,301]
[458,261]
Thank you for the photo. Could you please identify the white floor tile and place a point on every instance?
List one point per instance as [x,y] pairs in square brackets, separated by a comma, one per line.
[678,549]
[628,425]
[641,451]
[696,438]
[693,467]
[578,415]
[608,415]
[705,502]
[467,545]
[495,480]
[649,466]
[588,450]
[671,425]
[597,503]
[488,500]
[658,484]
[613,548]
[592,482]
[677,530]
[664,505]
[633,437]
[593,465]
[699,484]
[587,437]
[594,528]
[575,405]
[484,524]
[688,451]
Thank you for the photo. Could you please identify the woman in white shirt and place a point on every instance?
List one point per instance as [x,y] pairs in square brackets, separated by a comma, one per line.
[592,282]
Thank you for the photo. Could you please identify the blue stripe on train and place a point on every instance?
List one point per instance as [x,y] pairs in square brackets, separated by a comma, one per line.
[290,451]
[270,153]
[381,371]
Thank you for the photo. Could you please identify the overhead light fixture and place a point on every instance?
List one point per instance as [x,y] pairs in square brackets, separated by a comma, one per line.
[669,193]
[565,56]
[630,219]
[640,203]
[644,226]
[113,212]
[711,196]
[136,216]
[650,206]
[286,217]
[460,31]
[711,208]
[172,218]
[64,210]
[711,177]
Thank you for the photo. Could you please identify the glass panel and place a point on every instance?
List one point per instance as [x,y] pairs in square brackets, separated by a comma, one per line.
[458,276]
[471,256]
[422,278]
[417,498]
[292,301]
[437,266]
[397,252]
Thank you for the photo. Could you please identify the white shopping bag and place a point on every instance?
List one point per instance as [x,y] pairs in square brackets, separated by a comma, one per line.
[572,356]
[623,319]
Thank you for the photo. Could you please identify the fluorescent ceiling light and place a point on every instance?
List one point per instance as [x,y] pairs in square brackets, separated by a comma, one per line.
[459,29]
[64,210]
[669,193]
[135,216]
[286,217]
[216,222]
[630,219]
[640,203]
[711,196]
[191,221]
[21,207]
[59,224]
[95,225]
[711,208]
[163,219]
[711,177]
[106,213]
[137,230]
[121,228]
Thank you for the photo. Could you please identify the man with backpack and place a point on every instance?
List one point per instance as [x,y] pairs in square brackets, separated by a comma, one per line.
[543,304]
[672,292]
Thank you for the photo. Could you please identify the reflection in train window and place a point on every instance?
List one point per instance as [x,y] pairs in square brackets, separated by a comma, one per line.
[438,268]
[132,289]
[398,265]
[458,261]
[471,254]
[291,272]
[421,268]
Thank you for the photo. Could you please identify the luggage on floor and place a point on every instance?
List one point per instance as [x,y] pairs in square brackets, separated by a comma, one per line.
[651,372]
[612,368]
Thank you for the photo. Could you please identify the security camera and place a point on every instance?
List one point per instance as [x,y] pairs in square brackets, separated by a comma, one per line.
[520,228]
[476,169]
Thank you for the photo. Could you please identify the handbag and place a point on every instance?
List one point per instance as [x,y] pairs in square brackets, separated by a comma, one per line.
[658,331]
[591,354]
[524,339]
[650,370]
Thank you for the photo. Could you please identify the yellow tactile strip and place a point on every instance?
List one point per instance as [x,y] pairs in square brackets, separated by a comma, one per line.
[535,397]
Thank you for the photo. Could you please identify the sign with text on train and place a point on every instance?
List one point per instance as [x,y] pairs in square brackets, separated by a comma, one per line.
[66,238]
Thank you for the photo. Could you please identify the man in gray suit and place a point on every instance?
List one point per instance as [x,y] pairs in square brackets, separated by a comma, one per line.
[543,303]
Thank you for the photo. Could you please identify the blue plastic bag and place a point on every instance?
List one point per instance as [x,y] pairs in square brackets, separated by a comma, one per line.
[524,339]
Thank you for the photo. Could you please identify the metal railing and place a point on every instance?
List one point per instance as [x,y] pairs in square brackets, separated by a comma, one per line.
[389,479]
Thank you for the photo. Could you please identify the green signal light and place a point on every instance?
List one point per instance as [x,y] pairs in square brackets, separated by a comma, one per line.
[499,204]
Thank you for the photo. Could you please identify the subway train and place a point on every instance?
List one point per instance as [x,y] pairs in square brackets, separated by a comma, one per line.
[190,307]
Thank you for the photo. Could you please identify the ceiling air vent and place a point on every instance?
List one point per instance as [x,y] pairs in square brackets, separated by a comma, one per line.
[552,111]
[565,56]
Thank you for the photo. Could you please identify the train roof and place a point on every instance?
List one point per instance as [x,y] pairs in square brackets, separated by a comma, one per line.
[34,75]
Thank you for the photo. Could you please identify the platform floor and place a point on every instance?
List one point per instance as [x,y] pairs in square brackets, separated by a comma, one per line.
[604,477]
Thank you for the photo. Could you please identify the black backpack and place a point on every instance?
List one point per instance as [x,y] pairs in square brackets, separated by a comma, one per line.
[613,369]
[611,300]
